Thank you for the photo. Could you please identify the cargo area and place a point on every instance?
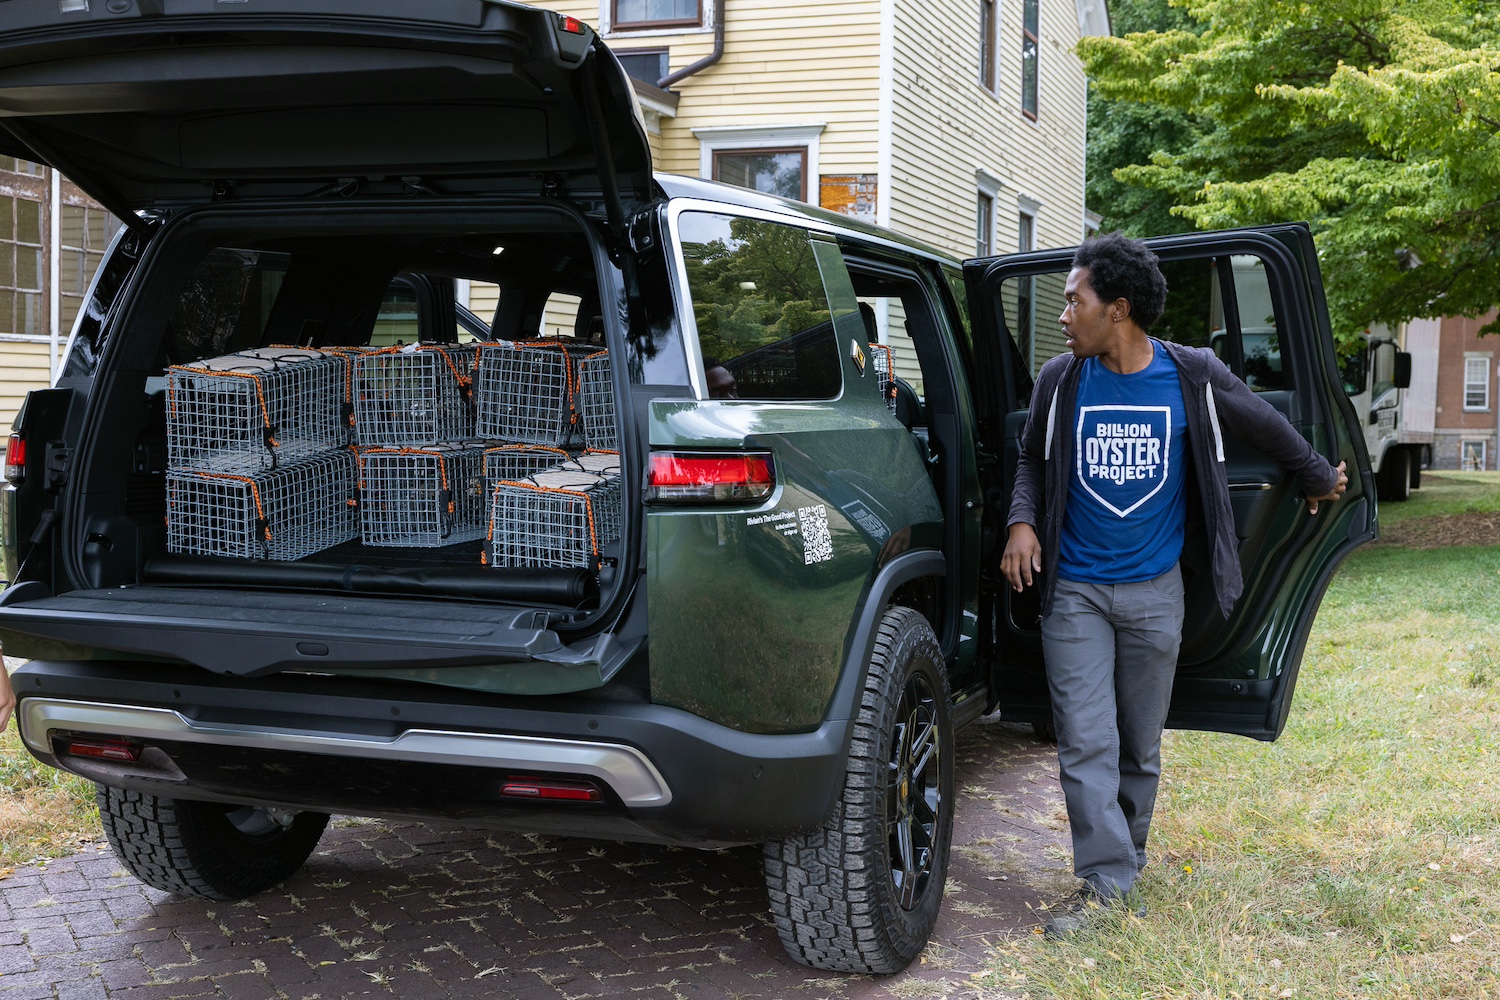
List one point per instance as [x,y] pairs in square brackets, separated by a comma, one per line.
[309,410]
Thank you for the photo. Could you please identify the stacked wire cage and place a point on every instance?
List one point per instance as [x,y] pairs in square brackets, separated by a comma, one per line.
[884,363]
[286,513]
[561,517]
[422,497]
[527,393]
[253,410]
[596,402]
[255,469]
[419,394]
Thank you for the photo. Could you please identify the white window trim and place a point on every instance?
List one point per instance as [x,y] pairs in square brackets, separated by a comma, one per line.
[988,185]
[1032,209]
[721,138]
[1484,458]
[1483,382]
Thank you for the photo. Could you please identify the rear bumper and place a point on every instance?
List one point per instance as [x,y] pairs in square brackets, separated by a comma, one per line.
[411,752]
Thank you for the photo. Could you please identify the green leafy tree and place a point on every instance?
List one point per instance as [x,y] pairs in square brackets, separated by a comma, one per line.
[755,289]
[1122,133]
[1378,121]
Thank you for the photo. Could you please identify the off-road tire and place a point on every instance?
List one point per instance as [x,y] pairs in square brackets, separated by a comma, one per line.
[861,893]
[205,849]
[1395,476]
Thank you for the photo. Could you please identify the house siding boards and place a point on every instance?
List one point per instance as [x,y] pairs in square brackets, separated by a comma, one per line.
[949,129]
[31,338]
[783,64]
[24,366]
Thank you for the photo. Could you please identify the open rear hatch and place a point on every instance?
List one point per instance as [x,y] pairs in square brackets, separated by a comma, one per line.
[177,102]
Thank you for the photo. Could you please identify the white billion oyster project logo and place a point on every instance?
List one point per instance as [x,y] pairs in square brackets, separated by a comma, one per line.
[1122,453]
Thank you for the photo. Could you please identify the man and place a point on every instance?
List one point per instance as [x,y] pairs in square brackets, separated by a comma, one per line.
[1122,441]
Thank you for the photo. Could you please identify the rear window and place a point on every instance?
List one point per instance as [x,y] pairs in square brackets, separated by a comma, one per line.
[761,309]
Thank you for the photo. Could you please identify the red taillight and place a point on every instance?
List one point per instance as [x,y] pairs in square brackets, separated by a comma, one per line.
[103,749]
[682,477]
[552,789]
[572,25]
[15,460]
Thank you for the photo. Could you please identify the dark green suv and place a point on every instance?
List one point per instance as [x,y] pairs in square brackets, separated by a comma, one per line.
[693,540]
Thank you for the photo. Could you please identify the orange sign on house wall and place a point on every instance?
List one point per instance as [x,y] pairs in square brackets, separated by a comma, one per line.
[849,194]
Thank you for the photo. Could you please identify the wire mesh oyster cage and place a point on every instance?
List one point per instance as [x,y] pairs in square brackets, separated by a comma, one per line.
[527,393]
[424,497]
[596,402]
[252,410]
[284,514]
[557,518]
[418,394]
[884,362]
[519,461]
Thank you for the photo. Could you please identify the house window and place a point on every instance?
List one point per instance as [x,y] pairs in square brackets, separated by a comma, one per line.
[646,65]
[1476,383]
[1471,456]
[987,20]
[771,171]
[15,166]
[984,225]
[86,232]
[1030,52]
[656,13]
[20,266]
[775,159]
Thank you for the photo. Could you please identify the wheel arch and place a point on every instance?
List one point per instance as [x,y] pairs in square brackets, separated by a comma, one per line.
[899,571]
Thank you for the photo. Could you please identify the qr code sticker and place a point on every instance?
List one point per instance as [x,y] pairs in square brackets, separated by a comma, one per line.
[817,543]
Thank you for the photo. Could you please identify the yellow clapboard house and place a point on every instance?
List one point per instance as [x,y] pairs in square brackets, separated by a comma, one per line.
[958,122]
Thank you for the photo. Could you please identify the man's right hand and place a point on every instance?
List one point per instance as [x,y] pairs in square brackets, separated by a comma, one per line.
[1023,556]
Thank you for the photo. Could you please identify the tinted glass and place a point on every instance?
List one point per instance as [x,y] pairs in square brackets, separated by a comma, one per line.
[226,304]
[760,307]
[636,11]
[778,172]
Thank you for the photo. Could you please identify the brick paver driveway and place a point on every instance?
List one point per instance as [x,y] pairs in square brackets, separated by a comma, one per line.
[414,911]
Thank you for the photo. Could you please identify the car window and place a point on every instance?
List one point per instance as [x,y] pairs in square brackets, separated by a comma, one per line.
[398,321]
[1222,303]
[226,304]
[761,310]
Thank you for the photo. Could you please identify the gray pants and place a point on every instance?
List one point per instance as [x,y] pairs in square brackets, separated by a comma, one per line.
[1111,654]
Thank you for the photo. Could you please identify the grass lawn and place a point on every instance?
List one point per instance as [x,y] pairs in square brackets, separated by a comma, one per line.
[44,813]
[1358,856]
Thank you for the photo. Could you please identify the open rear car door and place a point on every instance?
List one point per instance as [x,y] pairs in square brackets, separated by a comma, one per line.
[1256,298]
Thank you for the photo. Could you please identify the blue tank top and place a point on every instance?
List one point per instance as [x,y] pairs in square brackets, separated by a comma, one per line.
[1126,503]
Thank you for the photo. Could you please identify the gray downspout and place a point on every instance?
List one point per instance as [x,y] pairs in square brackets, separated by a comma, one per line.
[708,60]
